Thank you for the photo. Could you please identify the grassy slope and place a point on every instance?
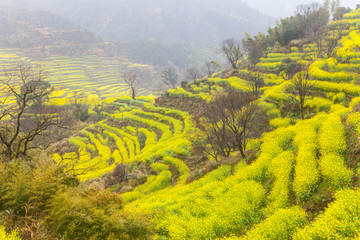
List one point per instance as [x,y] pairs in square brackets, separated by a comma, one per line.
[88,74]
[301,185]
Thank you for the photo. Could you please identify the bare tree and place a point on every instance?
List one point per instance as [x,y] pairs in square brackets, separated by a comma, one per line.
[254,47]
[131,79]
[233,51]
[24,119]
[290,67]
[227,122]
[333,35]
[300,86]
[209,68]
[80,106]
[192,74]
[256,82]
[71,163]
[170,77]
[312,17]
[255,79]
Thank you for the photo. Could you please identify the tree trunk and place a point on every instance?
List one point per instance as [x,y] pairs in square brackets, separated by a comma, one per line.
[9,153]
[242,152]
[133,93]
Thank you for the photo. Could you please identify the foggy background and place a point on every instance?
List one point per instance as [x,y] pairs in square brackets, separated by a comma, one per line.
[160,33]
[285,8]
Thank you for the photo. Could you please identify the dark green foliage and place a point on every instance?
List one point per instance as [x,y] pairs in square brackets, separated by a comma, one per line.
[170,77]
[94,214]
[26,191]
[290,67]
[233,51]
[255,47]
[157,53]
[42,202]
[80,107]
[307,21]
[164,21]
[183,84]
[22,28]
[24,184]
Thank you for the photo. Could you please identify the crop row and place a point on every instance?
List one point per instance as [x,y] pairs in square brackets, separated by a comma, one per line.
[306,172]
[332,149]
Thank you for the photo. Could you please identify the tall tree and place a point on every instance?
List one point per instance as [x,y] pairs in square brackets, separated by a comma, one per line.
[209,68]
[228,121]
[256,82]
[327,38]
[300,87]
[233,51]
[312,17]
[80,106]
[25,118]
[170,77]
[192,74]
[254,47]
[131,79]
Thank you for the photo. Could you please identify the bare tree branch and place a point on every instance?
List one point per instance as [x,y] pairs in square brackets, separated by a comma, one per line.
[26,119]
[233,51]
[131,79]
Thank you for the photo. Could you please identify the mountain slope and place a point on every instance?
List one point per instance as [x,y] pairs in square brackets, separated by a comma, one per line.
[299,181]
[60,45]
[169,21]
[42,33]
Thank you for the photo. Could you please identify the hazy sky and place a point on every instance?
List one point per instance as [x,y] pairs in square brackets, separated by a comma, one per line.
[285,8]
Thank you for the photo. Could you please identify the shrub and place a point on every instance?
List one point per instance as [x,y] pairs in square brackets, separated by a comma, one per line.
[280,122]
[182,167]
[281,168]
[281,225]
[316,72]
[319,104]
[332,148]
[341,220]
[271,110]
[306,172]
[94,214]
[14,235]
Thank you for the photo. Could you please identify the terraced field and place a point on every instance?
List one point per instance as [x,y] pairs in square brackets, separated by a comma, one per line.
[136,131]
[90,75]
[271,198]
[302,184]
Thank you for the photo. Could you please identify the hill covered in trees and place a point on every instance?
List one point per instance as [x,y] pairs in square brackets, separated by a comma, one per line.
[67,50]
[176,21]
[44,34]
[160,27]
[265,149]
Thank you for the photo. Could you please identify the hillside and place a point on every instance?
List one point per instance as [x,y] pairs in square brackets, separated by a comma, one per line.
[176,21]
[161,54]
[301,168]
[42,34]
[68,51]
[286,8]
[89,74]
[138,172]
[192,26]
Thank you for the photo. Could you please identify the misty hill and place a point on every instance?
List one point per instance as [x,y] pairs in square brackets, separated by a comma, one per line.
[59,44]
[186,21]
[40,34]
[160,28]
[286,8]
[153,52]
